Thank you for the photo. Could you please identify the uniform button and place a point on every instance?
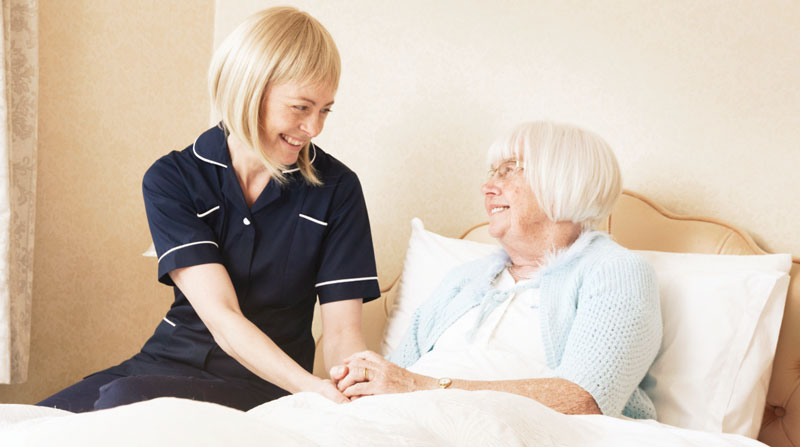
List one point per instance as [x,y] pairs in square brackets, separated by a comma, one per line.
[246,221]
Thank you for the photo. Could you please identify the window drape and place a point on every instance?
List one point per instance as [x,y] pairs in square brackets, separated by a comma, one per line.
[19,81]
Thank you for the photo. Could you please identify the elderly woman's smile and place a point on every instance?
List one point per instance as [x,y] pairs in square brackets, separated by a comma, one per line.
[511,206]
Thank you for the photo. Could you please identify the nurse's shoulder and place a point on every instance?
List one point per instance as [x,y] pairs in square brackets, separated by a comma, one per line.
[331,171]
[196,168]
[340,195]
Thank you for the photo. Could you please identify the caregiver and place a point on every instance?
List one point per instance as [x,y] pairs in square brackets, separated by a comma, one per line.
[251,223]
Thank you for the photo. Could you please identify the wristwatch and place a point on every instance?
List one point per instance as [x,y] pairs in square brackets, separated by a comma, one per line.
[445,382]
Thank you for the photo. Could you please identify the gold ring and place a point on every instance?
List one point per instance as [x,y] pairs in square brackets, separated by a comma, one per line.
[366,373]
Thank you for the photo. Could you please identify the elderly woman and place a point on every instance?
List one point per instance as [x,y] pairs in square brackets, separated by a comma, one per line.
[563,315]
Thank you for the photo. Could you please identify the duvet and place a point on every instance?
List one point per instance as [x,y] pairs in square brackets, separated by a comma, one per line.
[426,418]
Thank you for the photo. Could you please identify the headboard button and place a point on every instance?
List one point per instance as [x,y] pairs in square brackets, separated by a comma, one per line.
[779,411]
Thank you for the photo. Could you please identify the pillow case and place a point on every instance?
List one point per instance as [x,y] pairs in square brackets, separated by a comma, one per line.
[721,314]
[428,259]
[150,252]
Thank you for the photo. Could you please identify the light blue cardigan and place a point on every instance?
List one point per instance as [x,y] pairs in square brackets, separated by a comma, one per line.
[600,317]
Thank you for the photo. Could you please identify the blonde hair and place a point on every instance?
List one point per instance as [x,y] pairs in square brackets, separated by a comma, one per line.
[572,172]
[276,45]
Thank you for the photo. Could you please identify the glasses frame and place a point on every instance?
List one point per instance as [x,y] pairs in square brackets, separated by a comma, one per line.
[503,171]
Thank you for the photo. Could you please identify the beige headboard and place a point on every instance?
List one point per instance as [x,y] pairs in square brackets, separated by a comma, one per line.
[638,223]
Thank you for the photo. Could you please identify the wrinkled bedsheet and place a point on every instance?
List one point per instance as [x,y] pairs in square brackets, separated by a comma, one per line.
[426,418]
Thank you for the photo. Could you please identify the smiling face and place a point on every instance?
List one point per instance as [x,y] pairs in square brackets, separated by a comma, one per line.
[514,212]
[295,113]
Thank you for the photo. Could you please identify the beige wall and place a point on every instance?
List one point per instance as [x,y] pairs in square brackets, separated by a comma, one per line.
[701,101]
[121,83]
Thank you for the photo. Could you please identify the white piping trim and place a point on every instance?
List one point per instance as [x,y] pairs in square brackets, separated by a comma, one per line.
[324,224]
[289,171]
[169,322]
[313,146]
[186,245]
[366,278]
[208,212]
[194,149]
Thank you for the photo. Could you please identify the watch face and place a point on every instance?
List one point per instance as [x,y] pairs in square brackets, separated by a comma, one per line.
[445,382]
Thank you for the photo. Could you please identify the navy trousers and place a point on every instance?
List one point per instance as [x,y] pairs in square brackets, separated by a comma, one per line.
[101,391]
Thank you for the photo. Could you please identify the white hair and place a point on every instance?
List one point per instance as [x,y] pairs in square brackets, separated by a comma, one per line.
[573,173]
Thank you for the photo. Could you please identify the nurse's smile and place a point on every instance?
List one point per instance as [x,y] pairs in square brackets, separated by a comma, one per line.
[292,141]
[295,113]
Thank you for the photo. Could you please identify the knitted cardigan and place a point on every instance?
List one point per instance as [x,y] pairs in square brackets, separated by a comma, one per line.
[599,313]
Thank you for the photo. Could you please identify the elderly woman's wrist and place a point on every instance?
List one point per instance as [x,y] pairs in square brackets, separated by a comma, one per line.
[426,383]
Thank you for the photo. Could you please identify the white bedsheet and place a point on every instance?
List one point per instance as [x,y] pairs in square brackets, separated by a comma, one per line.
[428,418]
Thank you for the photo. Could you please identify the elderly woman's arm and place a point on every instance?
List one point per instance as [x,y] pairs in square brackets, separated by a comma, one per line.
[615,335]
[612,342]
[385,377]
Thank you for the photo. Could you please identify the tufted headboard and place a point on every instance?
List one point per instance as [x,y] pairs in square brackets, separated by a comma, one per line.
[638,223]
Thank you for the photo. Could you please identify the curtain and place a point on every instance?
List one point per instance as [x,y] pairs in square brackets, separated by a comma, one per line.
[19,81]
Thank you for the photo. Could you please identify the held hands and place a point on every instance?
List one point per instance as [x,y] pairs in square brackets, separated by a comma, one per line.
[328,389]
[367,373]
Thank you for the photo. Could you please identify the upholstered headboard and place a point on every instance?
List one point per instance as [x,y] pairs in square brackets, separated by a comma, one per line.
[638,223]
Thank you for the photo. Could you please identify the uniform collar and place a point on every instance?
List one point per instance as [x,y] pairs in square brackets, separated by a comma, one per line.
[294,168]
[212,147]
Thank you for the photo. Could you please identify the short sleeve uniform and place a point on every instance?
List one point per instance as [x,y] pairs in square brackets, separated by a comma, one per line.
[295,243]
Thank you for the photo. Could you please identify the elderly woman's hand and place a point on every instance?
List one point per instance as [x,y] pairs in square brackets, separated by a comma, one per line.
[369,373]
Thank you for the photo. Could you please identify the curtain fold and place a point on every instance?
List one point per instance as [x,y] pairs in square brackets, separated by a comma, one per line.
[19,81]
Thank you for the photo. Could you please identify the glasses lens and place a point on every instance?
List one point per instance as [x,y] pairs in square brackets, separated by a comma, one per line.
[504,170]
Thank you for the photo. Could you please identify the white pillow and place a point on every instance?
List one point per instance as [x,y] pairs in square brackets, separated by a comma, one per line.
[150,252]
[721,313]
[428,259]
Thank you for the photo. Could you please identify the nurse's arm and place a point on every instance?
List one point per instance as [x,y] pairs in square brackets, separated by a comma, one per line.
[209,289]
[341,331]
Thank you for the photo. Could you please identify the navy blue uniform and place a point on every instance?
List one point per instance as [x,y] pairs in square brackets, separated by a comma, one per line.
[295,243]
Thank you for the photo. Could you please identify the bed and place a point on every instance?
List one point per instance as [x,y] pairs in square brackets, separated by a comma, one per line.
[760,400]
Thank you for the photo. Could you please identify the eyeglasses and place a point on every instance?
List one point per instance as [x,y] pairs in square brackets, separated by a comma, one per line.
[504,170]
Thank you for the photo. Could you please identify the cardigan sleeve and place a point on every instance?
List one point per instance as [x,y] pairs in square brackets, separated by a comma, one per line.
[443,307]
[411,348]
[616,333]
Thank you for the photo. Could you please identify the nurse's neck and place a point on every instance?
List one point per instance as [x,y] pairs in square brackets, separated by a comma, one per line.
[249,168]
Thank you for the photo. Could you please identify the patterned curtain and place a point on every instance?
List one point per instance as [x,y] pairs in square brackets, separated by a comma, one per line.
[19,81]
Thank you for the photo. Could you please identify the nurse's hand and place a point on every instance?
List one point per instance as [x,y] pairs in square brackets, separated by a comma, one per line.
[329,390]
[338,373]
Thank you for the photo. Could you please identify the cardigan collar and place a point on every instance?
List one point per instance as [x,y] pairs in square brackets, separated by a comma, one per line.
[558,259]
